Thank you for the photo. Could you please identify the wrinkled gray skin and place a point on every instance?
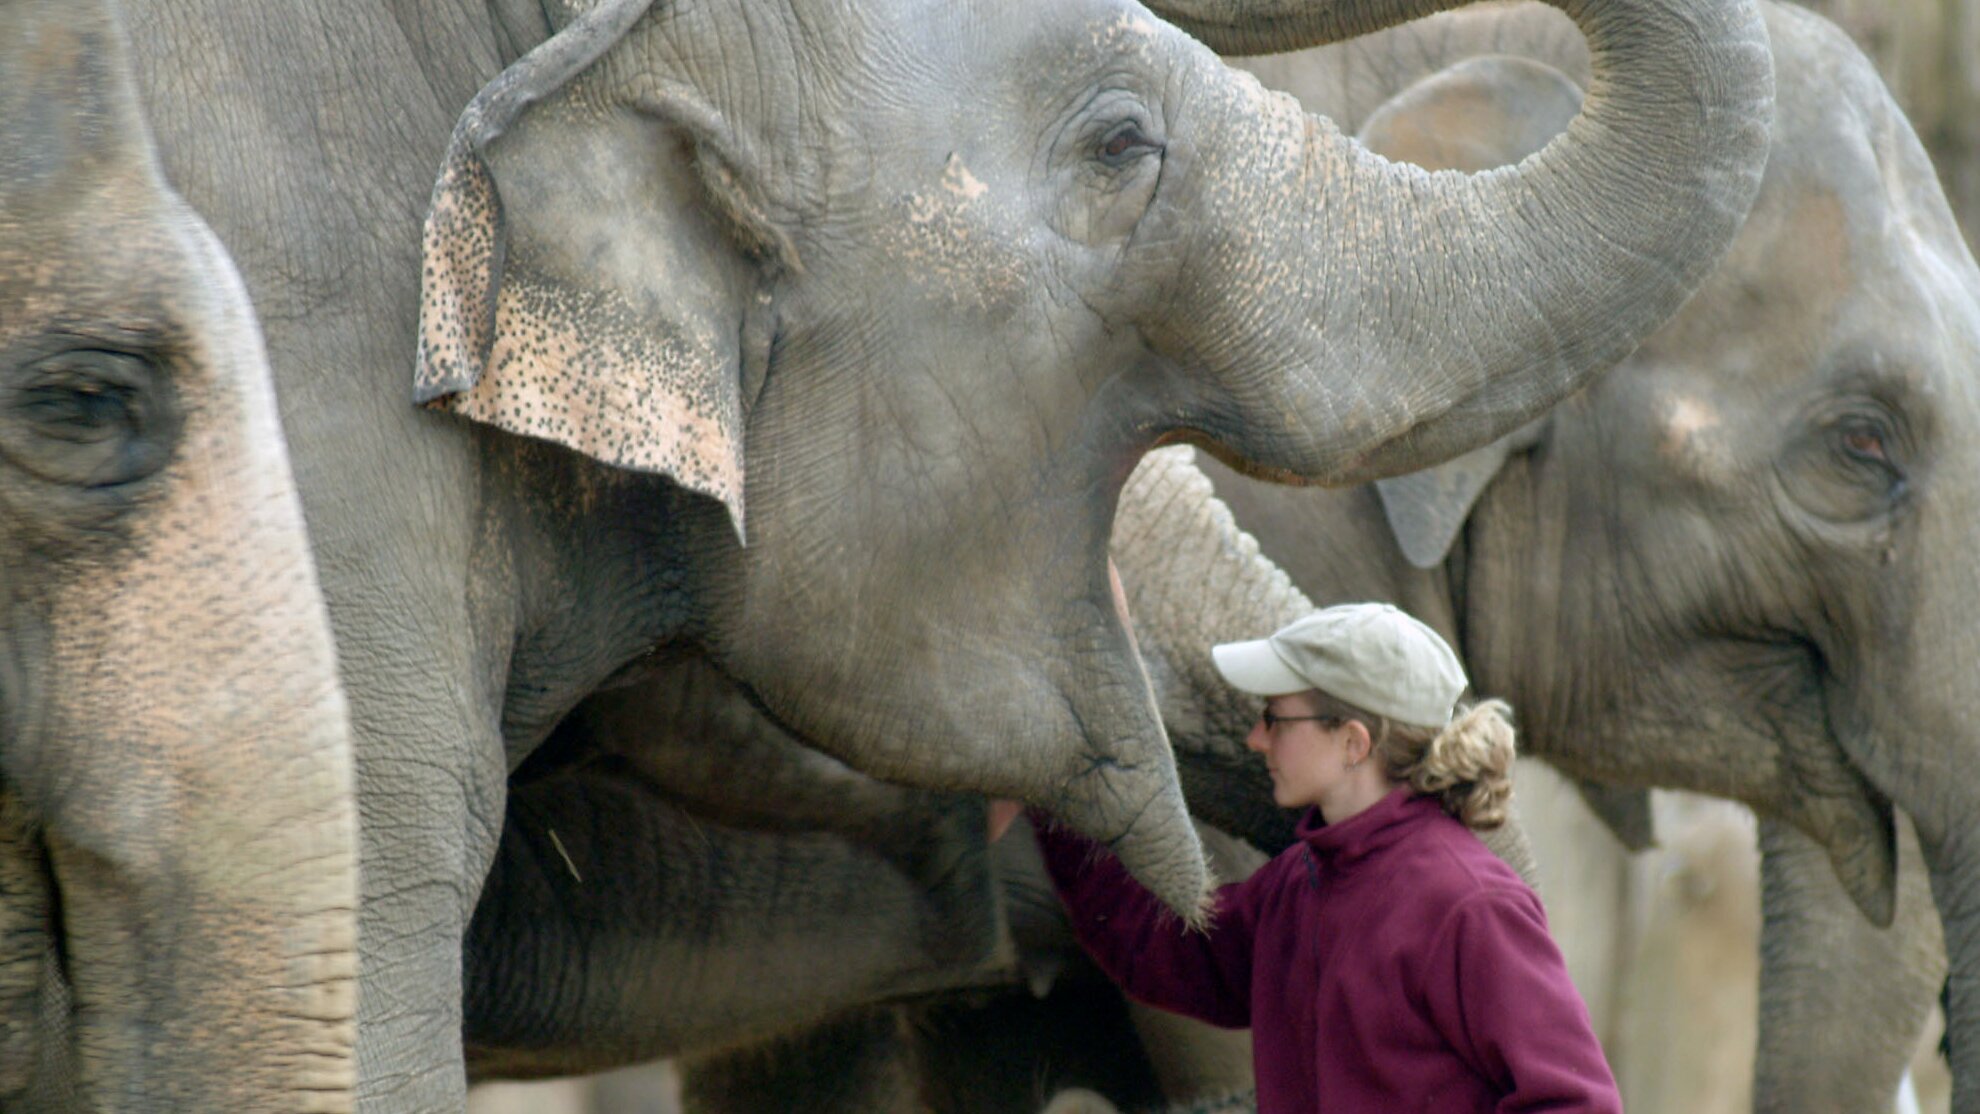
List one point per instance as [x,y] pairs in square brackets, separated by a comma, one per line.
[640,907]
[1738,563]
[566,977]
[946,271]
[1823,962]
[178,838]
[1606,568]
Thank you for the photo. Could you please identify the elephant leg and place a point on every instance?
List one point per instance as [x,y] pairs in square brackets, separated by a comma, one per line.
[1822,961]
[1078,1035]
[859,1064]
[1192,1060]
[617,928]
[1081,1101]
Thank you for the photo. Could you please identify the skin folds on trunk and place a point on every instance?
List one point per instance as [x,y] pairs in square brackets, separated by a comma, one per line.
[177,821]
[1333,387]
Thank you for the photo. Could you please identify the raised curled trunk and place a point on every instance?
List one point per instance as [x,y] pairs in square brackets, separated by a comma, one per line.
[1366,317]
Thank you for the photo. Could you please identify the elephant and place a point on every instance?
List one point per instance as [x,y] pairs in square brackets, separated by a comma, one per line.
[1171,539]
[1714,569]
[816,338]
[1842,999]
[178,818]
[1661,564]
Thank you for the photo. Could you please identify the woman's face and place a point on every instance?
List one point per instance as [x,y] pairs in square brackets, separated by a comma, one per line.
[1308,756]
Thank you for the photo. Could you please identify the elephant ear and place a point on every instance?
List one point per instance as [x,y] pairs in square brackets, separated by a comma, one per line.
[1481,113]
[590,273]
[1426,509]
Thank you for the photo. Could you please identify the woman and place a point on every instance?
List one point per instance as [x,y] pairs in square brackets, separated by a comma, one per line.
[1387,961]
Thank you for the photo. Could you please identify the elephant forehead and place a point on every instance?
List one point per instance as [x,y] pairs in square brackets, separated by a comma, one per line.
[115,261]
[956,236]
[1800,260]
[1770,310]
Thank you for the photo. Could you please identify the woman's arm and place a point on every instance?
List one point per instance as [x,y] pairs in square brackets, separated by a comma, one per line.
[1143,946]
[1497,988]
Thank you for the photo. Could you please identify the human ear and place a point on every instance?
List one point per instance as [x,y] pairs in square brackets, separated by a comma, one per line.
[1357,744]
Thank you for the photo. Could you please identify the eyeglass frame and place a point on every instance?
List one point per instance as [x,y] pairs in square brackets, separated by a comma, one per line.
[1272,719]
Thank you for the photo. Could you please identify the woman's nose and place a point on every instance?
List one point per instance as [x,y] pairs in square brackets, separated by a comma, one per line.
[1257,739]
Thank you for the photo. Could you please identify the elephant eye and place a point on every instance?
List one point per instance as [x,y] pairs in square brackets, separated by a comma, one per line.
[1125,142]
[89,418]
[1866,444]
[1870,451]
[81,414]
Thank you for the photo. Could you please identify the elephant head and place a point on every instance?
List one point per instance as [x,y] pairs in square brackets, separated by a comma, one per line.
[178,861]
[1742,562]
[906,289]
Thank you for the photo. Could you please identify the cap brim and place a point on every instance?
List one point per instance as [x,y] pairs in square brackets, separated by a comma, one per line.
[1256,668]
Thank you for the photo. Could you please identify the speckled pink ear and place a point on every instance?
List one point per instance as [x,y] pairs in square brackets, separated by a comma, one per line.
[575,289]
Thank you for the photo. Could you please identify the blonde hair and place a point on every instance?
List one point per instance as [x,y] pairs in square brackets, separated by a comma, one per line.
[1466,764]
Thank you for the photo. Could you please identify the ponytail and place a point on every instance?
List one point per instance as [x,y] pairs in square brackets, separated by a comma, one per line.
[1468,766]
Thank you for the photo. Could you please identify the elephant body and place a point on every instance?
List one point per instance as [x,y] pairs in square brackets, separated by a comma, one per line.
[817,338]
[178,846]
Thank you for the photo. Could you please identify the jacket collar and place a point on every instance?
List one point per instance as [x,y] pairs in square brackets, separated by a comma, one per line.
[1379,825]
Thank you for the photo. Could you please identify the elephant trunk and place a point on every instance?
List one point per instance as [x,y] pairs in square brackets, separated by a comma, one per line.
[1363,318]
[1904,708]
[1820,958]
[199,797]
[178,809]
[1194,578]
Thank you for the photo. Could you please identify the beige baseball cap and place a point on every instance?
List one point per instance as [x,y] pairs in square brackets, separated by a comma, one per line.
[1373,655]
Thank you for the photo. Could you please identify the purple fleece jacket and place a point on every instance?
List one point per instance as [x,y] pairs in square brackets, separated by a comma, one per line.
[1386,964]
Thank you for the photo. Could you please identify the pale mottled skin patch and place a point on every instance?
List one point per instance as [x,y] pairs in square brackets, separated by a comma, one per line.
[1123,32]
[943,235]
[1690,437]
[461,254]
[581,368]
[957,179]
[519,349]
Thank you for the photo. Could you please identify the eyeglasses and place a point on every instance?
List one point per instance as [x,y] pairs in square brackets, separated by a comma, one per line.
[1272,719]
